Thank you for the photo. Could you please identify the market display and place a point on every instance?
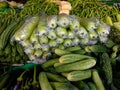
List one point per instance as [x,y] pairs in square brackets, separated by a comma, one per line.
[43,50]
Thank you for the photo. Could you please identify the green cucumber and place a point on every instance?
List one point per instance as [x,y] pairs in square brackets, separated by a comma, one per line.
[80,65]
[69,58]
[43,81]
[71,49]
[97,80]
[62,86]
[49,63]
[79,75]
[55,77]
[61,52]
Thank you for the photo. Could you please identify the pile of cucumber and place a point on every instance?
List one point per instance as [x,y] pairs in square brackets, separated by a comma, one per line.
[76,68]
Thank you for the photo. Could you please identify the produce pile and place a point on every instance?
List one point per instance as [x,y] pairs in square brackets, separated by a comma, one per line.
[71,52]
[75,68]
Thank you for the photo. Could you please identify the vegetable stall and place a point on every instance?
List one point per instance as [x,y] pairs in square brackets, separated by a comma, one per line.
[42,48]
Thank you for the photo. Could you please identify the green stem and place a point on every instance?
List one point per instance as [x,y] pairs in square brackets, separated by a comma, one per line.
[20,78]
[34,83]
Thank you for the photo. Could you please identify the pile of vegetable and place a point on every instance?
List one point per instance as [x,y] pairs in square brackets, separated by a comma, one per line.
[75,68]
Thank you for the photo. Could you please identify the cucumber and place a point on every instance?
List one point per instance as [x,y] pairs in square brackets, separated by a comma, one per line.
[49,63]
[57,64]
[97,80]
[81,85]
[92,86]
[43,81]
[80,65]
[79,75]
[62,86]
[69,58]
[61,52]
[56,77]
[71,49]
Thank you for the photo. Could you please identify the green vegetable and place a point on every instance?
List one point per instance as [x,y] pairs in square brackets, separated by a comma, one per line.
[70,34]
[37,45]
[27,29]
[50,63]
[78,75]
[63,20]
[43,81]
[96,48]
[102,30]
[59,40]
[33,37]
[38,52]
[82,33]
[67,42]
[34,82]
[80,65]
[74,24]
[92,35]
[118,17]
[82,85]
[116,25]
[92,86]
[108,20]
[61,32]
[52,21]
[4,37]
[97,80]
[56,77]
[57,64]
[69,58]
[3,80]
[41,30]
[43,40]
[107,67]
[62,86]
[74,48]
[52,43]
[52,35]
[88,24]
[61,52]
[76,41]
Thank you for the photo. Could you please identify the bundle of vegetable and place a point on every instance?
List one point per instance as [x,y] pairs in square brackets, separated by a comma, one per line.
[40,35]
[11,52]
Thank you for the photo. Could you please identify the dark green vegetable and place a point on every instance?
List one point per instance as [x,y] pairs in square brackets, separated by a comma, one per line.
[62,86]
[4,80]
[49,63]
[107,68]
[55,77]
